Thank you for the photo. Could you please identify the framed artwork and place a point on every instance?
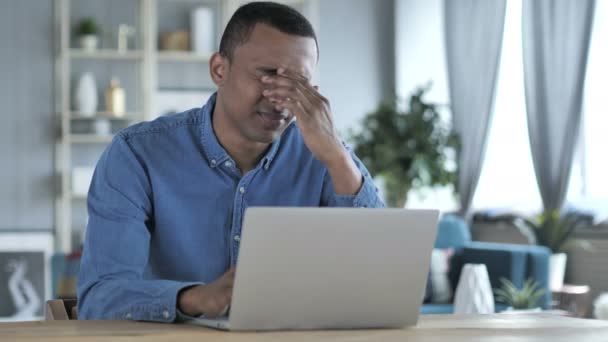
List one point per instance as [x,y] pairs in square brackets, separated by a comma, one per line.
[25,275]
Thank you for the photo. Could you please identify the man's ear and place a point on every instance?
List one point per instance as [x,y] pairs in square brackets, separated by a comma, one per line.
[218,69]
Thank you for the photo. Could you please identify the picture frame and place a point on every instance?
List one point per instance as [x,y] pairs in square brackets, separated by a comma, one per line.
[25,274]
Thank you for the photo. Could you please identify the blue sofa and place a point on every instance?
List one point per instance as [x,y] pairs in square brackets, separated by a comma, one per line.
[514,262]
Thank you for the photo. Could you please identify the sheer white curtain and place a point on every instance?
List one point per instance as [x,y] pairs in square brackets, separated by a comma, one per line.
[507,177]
[589,183]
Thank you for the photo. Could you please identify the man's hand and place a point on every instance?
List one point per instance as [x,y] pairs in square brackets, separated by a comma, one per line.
[288,90]
[291,91]
[210,299]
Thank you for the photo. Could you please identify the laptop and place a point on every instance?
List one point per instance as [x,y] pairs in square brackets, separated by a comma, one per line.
[329,268]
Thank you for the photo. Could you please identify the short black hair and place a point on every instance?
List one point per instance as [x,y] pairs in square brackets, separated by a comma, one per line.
[278,16]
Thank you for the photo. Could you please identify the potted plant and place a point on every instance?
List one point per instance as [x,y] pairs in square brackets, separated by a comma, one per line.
[87,32]
[554,230]
[524,299]
[408,149]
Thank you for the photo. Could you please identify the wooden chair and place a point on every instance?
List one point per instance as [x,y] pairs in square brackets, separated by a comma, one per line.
[61,309]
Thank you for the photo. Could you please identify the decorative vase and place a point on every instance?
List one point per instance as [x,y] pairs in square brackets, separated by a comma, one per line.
[115,99]
[474,291]
[88,42]
[85,99]
[202,31]
[557,270]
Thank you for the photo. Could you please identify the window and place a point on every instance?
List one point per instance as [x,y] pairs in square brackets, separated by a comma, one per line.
[507,176]
[589,183]
[508,179]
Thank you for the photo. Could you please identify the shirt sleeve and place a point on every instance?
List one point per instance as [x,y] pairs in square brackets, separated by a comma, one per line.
[367,197]
[111,284]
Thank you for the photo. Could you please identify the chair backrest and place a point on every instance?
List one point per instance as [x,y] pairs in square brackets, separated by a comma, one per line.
[453,232]
[60,309]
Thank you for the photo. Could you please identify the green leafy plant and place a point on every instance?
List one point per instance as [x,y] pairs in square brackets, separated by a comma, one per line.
[525,298]
[407,149]
[554,229]
[87,26]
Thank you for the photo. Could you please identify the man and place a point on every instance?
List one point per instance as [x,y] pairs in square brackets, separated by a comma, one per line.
[167,199]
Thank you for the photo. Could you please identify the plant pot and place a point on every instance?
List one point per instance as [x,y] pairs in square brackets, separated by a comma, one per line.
[89,42]
[557,270]
[512,311]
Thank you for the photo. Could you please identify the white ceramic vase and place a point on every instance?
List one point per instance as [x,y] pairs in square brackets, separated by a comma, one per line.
[85,99]
[474,291]
[202,31]
[557,270]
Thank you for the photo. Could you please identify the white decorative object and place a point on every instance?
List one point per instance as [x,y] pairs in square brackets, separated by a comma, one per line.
[88,42]
[474,292]
[202,31]
[102,126]
[124,32]
[600,306]
[557,270]
[81,180]
[85,99]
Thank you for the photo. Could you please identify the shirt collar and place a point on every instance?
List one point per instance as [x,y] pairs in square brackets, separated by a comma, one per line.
[214,152]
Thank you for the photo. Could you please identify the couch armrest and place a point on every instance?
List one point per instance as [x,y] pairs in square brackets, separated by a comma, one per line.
[501,260]
[512,261]
[538,269]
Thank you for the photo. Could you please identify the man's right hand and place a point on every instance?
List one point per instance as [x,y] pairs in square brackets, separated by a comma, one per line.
[210,299]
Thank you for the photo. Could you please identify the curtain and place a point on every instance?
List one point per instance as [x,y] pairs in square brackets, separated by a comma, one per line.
[556,35]
[473,39]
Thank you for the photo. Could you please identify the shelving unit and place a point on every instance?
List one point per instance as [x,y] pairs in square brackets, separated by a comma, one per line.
[181,56]
[102,62]
[106,54]
[146,62]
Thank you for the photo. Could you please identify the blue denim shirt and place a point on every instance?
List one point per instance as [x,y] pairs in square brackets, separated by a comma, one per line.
[166,205]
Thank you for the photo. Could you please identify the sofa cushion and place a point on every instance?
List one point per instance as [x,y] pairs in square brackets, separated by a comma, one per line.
[440,286]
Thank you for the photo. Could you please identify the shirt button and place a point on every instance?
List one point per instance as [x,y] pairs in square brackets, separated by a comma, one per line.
[166,314]
[242,190]
[128,315]
[213,162]
[228,164]
[237,238]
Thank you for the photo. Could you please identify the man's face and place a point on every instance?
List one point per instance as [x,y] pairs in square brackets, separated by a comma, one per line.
[246,110]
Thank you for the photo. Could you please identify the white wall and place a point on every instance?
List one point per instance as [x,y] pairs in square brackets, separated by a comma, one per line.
[356,44]
[419,48]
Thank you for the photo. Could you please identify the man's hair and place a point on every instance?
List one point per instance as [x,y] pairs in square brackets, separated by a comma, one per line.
[278,16]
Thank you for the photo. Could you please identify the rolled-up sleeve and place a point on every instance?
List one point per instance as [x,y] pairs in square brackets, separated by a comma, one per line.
[366,197]
[111,284]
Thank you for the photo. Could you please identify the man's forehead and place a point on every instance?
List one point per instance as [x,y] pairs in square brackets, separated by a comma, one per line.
[268,47]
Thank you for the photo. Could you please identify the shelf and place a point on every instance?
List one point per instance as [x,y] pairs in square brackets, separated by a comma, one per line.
[182,56]
[106,54]
[128,116]
[78,197]
[90,138]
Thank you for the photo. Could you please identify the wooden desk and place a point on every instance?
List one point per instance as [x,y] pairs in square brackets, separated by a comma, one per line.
[431,328]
